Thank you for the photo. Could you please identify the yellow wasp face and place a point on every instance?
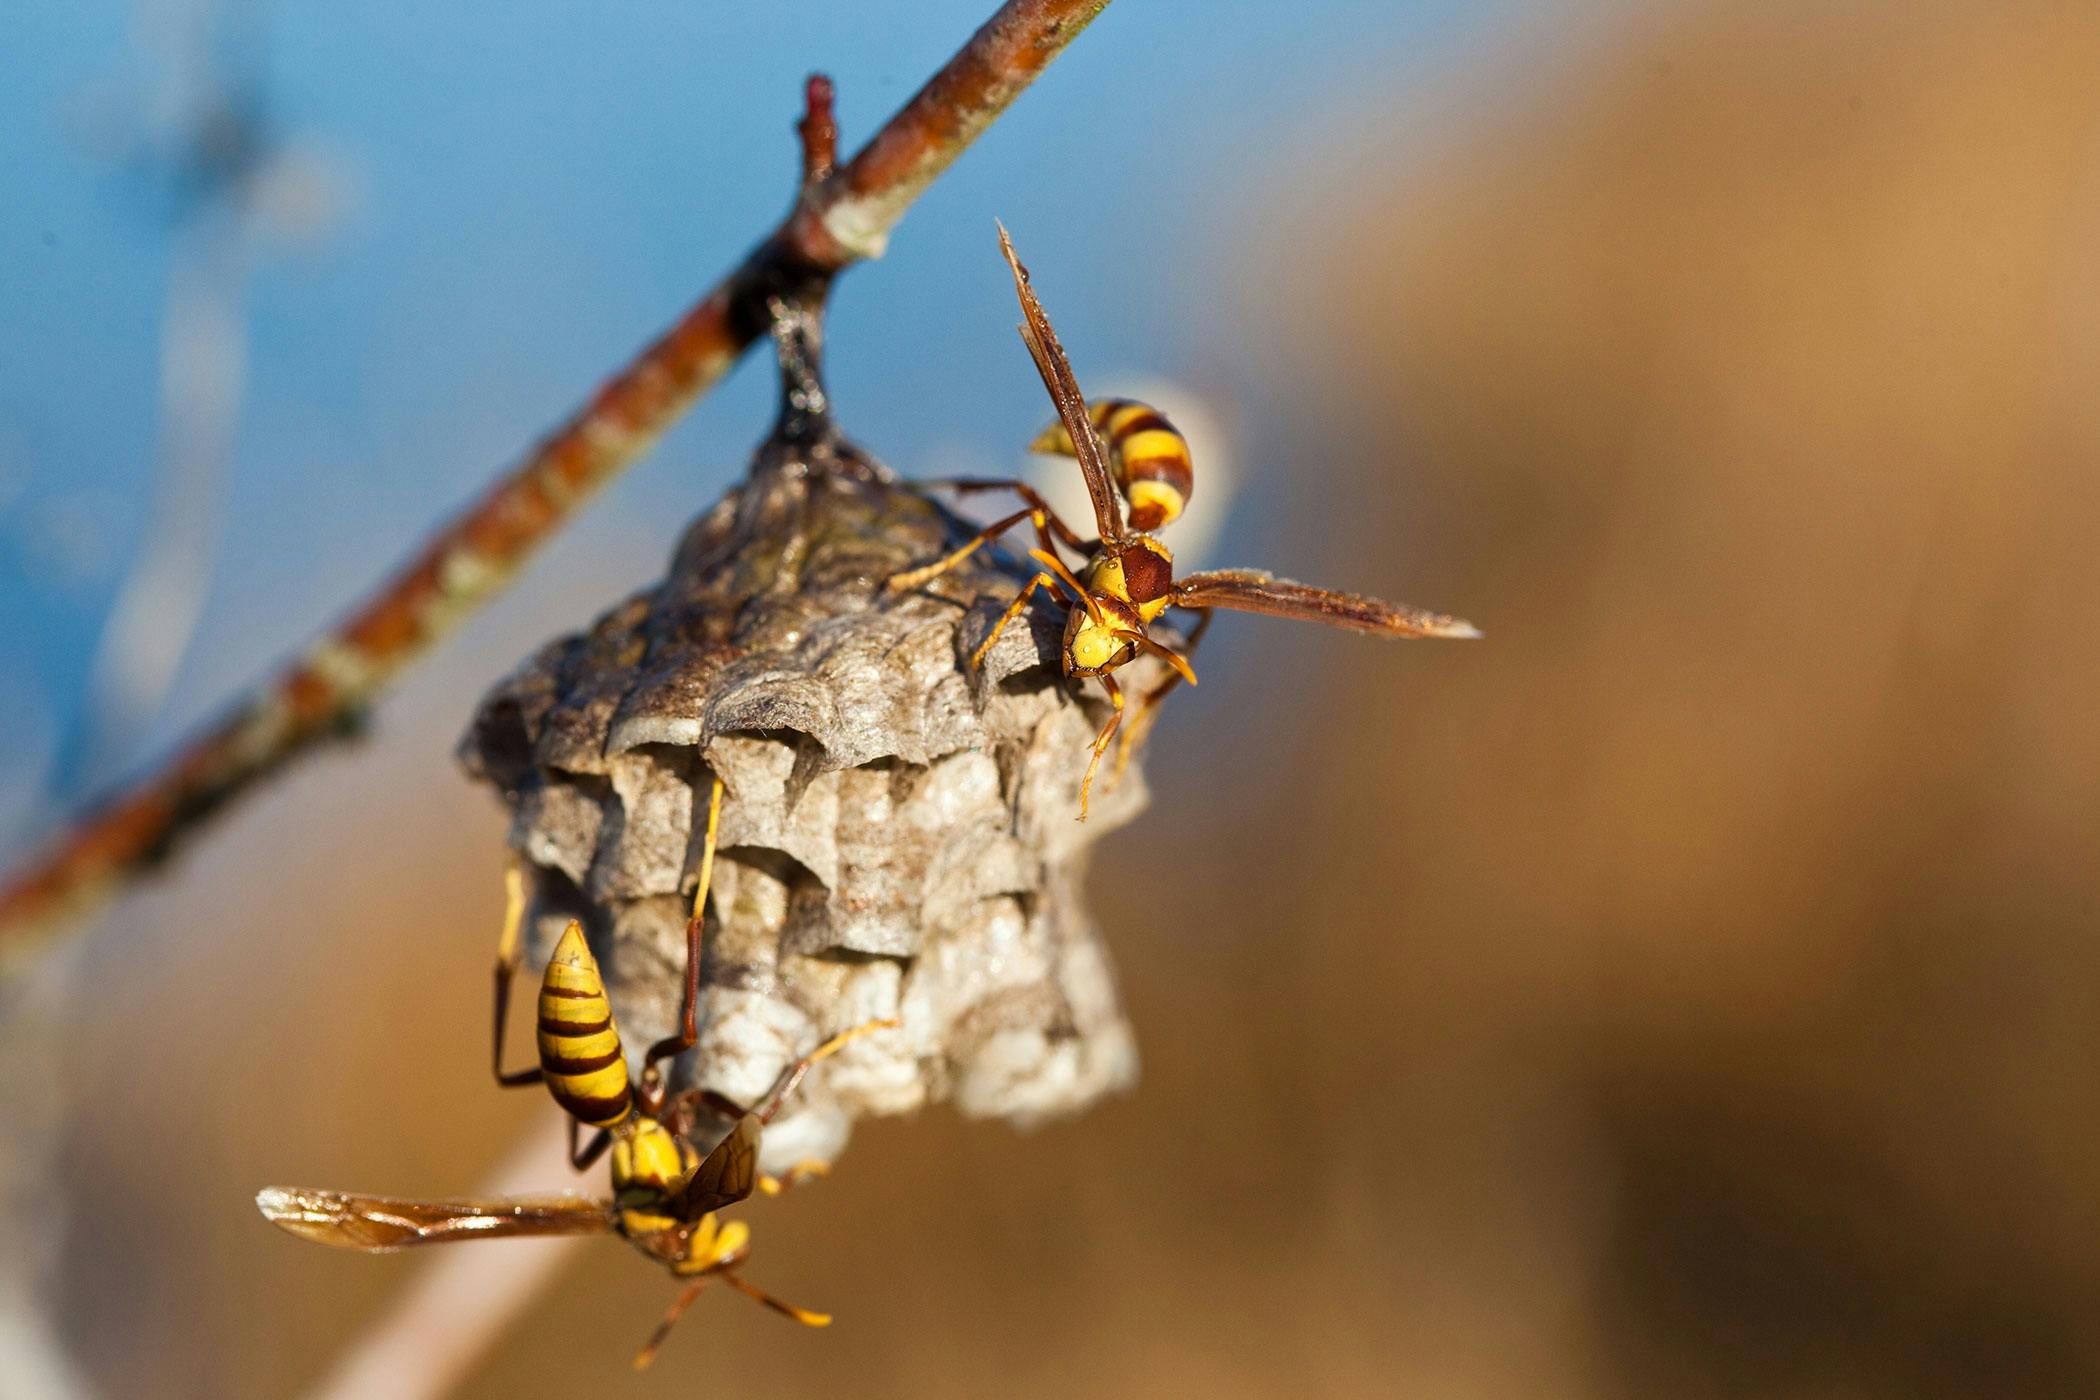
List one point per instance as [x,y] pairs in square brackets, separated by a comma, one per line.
[1095,646]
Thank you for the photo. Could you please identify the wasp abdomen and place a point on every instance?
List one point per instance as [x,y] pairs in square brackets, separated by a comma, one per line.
[580,1052]
[1148,455]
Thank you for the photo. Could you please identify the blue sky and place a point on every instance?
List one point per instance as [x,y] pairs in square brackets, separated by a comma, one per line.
[522,194]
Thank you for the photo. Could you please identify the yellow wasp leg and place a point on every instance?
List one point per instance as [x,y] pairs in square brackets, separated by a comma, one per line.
[1147,711]
[917,578]
[1013,610]
[1049,560]
[677,1309]
[802,1315]
[688,1019]
[1027,493]
[811,1170]
[795,1071]
[1108,732]
[508,955]
[1038,514]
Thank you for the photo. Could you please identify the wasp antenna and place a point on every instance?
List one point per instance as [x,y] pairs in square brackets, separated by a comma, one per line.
[1165,653]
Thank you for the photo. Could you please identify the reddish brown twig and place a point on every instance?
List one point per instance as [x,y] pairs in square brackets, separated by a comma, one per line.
[840,217]
[819,130]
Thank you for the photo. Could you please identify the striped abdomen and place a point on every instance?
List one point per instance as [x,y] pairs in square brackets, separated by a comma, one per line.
[1147,453]
[579,1049]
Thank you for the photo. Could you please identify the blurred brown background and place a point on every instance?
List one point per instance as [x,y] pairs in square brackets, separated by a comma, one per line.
[1688,991]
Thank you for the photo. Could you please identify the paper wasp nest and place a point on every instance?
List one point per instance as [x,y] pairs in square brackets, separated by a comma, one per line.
[897,836]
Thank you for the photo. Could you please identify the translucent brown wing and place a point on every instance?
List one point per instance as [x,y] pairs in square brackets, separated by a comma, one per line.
[1056,370]
[381,1224]
[1251,590]
[727,1176]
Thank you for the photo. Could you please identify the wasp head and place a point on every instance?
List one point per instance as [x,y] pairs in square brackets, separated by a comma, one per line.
[1101,638]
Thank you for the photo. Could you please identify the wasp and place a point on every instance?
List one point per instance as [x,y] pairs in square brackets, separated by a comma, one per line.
[1130,454]
[664,1193]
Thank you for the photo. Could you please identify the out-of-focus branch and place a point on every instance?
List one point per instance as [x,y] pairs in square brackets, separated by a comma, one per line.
[840,217]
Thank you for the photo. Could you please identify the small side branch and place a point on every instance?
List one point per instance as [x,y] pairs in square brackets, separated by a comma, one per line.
[842,216]
[819,130]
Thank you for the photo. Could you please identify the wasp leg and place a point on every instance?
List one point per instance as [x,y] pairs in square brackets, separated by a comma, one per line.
[1054,574]
[688,1018]
[508,955]
[1013,610]
[1147,710]
[810,1170]
[1049,560]
[681,1117]
[677,1309]
[1108,732]
[1038,514]
[801,1315]
[792,1075]
[918,578]
[592,1150]
[965,484]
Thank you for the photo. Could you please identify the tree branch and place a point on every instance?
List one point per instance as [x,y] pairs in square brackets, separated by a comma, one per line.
[840,217]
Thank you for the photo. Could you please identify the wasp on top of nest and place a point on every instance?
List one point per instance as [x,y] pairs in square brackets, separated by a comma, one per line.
[1129,453]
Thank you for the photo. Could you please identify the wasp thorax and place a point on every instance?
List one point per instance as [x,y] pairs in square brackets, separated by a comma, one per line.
[651,1158]
[1140,573]
[1148,575]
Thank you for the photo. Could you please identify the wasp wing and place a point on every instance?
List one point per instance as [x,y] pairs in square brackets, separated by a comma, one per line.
[1056,370]
[729,1174]
[1251,590]
[381,1224]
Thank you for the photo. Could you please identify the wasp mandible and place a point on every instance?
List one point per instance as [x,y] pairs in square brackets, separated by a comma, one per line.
[1129,453]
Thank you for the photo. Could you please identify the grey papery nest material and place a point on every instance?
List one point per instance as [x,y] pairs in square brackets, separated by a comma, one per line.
[898,835]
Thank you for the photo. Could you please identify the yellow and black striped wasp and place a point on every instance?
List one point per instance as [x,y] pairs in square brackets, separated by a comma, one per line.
[664,1193]
[1128,452]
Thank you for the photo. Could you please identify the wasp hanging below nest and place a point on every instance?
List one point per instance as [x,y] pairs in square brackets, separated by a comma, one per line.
[1128,580]
[664,1192]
